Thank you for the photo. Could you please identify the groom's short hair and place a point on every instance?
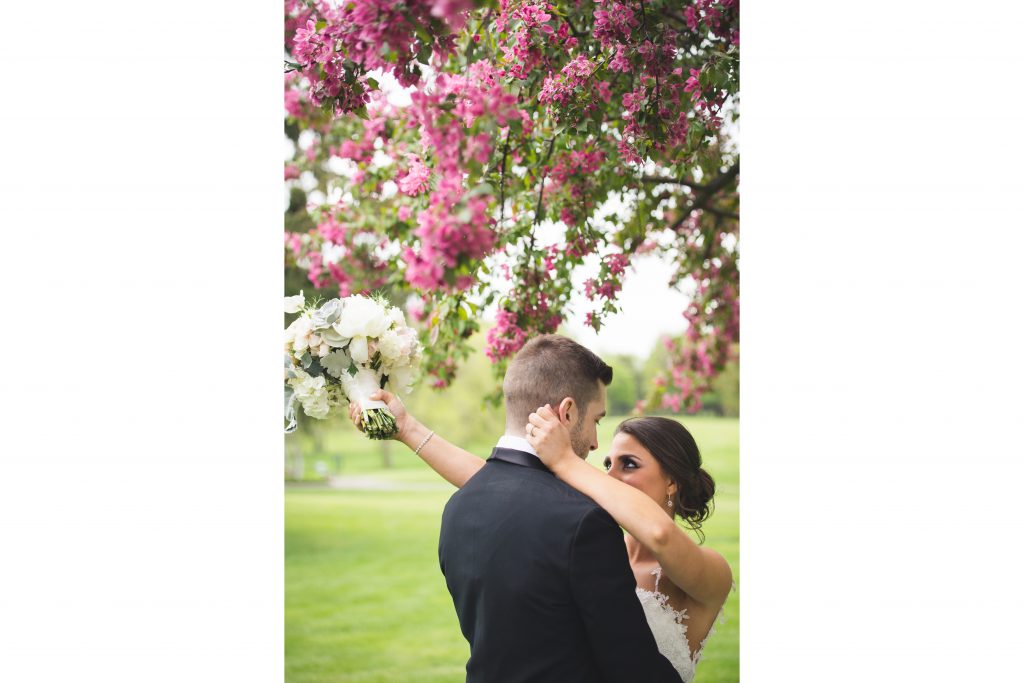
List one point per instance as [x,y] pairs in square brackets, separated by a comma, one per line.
[548,369]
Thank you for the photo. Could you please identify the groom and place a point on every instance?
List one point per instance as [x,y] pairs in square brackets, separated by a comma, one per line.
[537,571]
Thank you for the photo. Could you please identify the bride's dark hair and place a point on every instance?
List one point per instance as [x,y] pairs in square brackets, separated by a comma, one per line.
[674,448]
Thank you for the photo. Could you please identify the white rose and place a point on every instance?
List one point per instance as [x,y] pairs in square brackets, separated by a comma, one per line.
[397,315]
[294,304]
[362,317]
[323,349]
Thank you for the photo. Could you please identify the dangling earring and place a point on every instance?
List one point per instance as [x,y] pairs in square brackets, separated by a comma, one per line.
[670,502]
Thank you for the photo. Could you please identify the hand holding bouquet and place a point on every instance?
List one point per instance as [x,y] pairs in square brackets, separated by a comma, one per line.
[344,350]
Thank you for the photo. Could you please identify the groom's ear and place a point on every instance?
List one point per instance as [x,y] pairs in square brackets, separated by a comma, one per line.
[567,411]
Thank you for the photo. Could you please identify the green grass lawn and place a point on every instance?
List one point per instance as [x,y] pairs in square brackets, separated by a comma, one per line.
[365,600]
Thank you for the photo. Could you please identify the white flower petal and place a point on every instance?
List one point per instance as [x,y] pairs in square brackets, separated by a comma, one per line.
[294,304]
[358,350]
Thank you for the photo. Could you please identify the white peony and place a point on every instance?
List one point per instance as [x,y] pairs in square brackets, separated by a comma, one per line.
[363,317]
[294,304]
[336,362]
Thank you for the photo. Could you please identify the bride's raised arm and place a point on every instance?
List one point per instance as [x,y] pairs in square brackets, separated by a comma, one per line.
[703,573]
[455,464]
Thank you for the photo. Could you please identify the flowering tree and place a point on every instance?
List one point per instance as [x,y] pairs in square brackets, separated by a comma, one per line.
[518,114]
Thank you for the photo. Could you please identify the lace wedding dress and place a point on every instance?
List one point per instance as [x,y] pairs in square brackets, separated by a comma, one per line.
[669,629]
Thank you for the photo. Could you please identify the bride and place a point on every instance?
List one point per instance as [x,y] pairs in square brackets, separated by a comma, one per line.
[655,474]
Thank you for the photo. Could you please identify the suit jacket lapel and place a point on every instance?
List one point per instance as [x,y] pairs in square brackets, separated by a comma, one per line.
[518,458]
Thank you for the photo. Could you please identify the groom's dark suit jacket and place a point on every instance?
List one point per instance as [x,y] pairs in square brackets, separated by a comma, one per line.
[541,581]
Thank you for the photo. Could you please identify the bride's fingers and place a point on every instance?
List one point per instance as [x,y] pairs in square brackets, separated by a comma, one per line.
[537,421]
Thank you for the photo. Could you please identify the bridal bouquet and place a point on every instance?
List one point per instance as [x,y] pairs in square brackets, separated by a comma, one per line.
[343,350]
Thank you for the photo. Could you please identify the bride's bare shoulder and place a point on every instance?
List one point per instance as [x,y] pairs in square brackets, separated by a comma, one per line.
[718,571]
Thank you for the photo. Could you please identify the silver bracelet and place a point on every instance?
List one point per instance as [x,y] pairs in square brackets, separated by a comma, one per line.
[424,442]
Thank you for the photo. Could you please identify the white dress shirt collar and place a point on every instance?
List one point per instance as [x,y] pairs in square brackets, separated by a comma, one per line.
[516,443]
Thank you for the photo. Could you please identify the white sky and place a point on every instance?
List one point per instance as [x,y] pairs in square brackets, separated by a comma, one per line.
[648,309]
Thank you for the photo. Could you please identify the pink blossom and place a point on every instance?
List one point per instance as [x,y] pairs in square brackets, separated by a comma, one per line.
[416,180]
[617,263]
[691,17]
[620,62]
[693,84]
[673,402]
[446,241]
[614,24]
[331,230]
[452,11]
[505,338]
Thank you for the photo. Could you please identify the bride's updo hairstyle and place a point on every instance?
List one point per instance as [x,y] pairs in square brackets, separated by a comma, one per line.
[675,450]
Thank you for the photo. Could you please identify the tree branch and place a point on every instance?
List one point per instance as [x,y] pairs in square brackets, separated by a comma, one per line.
[504,156]
[721,214]
[572,28]
[704,196]
[540,197]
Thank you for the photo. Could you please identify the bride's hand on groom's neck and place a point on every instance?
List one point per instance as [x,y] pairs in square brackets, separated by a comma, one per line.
[549,437]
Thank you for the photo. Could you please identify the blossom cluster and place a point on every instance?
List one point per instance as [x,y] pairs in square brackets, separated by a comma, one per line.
[335,46]
[456,228]
[606,286]
[518,112]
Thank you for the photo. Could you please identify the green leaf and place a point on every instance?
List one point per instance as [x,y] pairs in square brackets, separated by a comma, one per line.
[372,82]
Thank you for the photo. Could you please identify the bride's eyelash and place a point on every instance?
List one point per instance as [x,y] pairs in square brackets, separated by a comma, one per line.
[626,462]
